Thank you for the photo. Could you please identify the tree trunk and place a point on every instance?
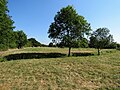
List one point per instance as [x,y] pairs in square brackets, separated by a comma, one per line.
[98,51]
[69,52]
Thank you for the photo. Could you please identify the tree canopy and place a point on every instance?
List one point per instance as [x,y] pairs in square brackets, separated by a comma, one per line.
[68,27]
[33,42]
[6,26]
[21,39]
[101,38]
[8,37]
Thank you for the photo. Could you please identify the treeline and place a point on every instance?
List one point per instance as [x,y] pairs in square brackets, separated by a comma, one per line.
[32,42]
[8,37]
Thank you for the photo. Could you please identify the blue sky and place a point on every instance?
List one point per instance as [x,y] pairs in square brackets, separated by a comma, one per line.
[35,16]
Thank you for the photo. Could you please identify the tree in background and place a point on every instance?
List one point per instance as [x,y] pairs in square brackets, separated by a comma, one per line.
[118,46]
[33,42]
[6,27]
[68,27]
[101,38]
[21,39]
[51,44]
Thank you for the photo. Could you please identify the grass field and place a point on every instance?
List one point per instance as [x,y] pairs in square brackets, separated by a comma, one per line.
[61,73]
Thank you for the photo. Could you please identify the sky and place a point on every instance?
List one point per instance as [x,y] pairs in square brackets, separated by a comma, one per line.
[35,16]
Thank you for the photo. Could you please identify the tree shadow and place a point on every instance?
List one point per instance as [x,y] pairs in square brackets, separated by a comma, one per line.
[33,56]
[82,54]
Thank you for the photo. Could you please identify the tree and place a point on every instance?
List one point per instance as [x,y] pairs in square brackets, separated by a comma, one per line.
[68,27]
[6,26]
[101,38]
[21,39]
[51,44]
[118,46]
[34,42]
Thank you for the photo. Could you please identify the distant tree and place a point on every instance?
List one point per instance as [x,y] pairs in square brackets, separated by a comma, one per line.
[21,39]
[60,45]
[101,38]
[50,44]
[44,45]
[68,27]
[28,44]
[118,46]
[34,42]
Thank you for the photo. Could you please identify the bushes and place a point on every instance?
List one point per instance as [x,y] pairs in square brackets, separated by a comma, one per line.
[118,46]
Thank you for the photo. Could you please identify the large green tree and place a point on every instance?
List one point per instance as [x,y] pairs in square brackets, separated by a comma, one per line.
[101,38]
[6,26]
[68,27]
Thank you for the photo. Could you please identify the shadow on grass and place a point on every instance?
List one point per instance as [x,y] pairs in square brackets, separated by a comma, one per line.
[33,56]
[82,54]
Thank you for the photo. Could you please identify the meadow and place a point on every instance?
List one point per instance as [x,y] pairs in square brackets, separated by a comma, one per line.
[50,69]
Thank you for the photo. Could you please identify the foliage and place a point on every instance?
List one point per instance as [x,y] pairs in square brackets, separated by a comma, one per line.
[33,42]
[76,44]
[44,45]
[101,38]
[51,45]
[112,45]
[8,37]
[3,47]
[6,27]
[21,39]
[118,46]
[68,27]
[28,44]
[84,43]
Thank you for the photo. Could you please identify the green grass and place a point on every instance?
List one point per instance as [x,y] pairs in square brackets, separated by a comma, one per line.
[66,73]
